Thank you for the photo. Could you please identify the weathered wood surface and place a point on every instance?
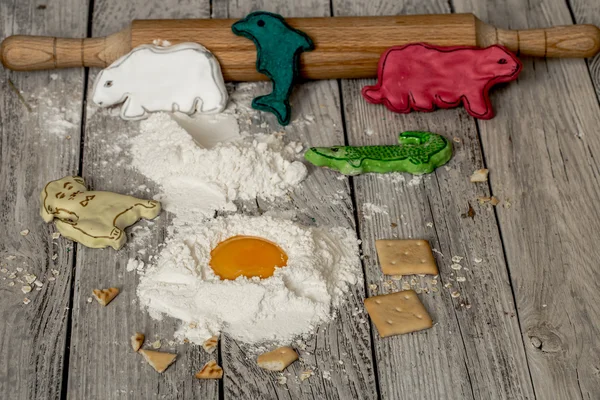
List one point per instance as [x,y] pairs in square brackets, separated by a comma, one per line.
[33,151]
[340,352]
[102,364]
[542,151]
[487,359]
[588,12]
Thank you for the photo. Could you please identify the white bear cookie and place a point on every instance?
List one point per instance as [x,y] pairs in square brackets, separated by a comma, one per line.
[94,219]
[185,77]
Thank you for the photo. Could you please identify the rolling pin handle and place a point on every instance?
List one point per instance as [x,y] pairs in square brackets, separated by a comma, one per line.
[560,41]
[31,53]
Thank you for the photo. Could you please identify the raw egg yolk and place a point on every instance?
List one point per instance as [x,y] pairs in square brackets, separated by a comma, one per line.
[246,256]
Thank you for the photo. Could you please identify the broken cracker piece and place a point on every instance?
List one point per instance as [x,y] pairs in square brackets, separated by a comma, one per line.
[105,296]
[210,344]
[398,313]
[210,371]
[137,341]
[306,374]
[406,257]
[481,175]
[160,361]
[278,359]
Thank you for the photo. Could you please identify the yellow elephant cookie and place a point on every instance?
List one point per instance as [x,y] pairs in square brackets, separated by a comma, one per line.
[94,219]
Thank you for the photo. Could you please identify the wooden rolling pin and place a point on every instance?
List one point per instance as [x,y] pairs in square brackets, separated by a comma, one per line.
[345,47]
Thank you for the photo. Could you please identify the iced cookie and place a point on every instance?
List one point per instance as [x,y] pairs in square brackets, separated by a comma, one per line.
[422,77]
[417,153]
[185,77]
[94,219]
[278,48]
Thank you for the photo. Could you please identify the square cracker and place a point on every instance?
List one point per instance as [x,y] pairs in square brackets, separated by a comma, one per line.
[406,257]
[398,313]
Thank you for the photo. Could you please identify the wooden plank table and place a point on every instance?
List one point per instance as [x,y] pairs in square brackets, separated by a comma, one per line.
[523,324]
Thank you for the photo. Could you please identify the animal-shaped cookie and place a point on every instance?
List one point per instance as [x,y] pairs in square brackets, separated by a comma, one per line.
[422,77]
[278,48]
[185,77]
[94,219]
[416,153]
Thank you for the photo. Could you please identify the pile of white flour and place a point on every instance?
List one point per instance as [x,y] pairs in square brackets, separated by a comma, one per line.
[322,263]
[196,181]
[198,175]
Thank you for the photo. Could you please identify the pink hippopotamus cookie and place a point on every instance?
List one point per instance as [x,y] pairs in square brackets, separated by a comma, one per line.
[423,77]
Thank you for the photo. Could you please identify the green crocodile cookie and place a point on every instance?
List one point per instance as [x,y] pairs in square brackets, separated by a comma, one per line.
[278,48]
[418,153]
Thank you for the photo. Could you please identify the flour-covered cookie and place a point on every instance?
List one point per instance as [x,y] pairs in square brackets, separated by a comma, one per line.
[94,219]
[185,77]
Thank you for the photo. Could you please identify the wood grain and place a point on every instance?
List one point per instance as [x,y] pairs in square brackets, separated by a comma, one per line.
[340,352]
[588,12]
[103,366]
[32,152]
[344,47]
[542,150]
[475,349]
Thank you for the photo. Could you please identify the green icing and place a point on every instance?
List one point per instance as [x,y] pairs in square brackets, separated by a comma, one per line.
[417,153]
[278,49]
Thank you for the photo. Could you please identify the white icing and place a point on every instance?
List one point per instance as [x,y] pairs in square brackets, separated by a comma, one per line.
[185,77]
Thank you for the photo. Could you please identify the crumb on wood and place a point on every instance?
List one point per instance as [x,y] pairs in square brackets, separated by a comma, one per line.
[470,212]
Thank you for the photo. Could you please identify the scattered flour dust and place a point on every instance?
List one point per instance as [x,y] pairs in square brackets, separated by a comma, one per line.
[322,263]
[197,181]
[369,209]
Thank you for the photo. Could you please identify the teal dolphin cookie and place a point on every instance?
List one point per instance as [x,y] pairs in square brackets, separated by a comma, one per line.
[417,153]
[278,48]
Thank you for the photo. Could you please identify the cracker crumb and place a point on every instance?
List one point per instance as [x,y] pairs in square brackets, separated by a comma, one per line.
[210,344]
[457,259]
[455,294]
[54,272]
[456,267]
[477,260]
[327,375]
[429,224]
[55,235]
[29,278]
[19,269]
[480,175]
[460,279]
[483,200]
[282,380]
[156,344]
[54,257]
[373,287]
[26,289]
[24,232]
[26,301]
[89,299]
[306,374]
[507,203]
[38,283]
[494,201]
